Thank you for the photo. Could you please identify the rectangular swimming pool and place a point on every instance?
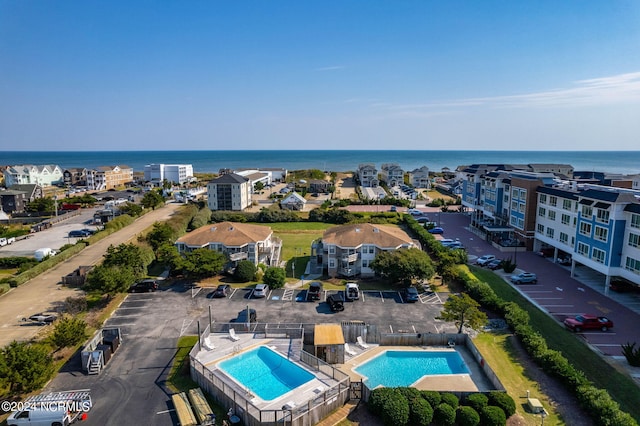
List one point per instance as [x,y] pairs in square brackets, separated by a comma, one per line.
[265,373]
[404,368]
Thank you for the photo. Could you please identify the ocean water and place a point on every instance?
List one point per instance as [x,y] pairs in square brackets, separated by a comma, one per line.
[625,162]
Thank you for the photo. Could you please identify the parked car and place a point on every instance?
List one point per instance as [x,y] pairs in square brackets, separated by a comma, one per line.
[455,245]
[336,302]
[223,290]
[315,290]
[546,252]
[410,294]
[261,290]
[623,286]
[588,322]
[7,241]
[447,241]
[79,233]
[484,260]
[393,209]
[247,315]
[524,278]
[415,212]
[423,219]
[495,264]
[144,286]
[352,291]
[436,230]
[42,318]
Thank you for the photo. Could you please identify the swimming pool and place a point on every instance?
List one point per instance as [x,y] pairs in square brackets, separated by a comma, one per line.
[265,373]
[404,368]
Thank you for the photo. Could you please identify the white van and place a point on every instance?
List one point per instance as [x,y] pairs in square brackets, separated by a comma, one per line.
[40,417]
[43,252]
[352,291]
[53,409]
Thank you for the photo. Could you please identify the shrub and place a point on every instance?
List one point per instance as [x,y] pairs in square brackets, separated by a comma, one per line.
[274,277]
[395,410]
[509,266]
[450,399]
[245,271]
[493,416]
[477,400]
[631,354]
[420,412]
[75,305]
[432,397]
[377,398]
[69,332]
[467,416]
[504,401]
[444,415]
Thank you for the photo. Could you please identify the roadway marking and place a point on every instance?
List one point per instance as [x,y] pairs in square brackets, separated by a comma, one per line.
[288,294]
[166,411]
[185,325]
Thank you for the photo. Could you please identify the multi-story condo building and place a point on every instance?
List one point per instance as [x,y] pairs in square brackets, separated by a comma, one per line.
[179,174]
[107,177]
[75,176]
[419,178]
[46,175]
[229,192]
[367,174]
[392,174]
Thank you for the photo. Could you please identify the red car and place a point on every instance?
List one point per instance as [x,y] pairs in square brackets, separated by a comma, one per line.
[588,322]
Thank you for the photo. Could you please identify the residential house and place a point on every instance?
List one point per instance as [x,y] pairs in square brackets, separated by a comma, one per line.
[392,174]
[32,190]
[107,177]
[419,178]
[319,186]
[367,174]
[178,174]
[76,176]
[45,175]
[293,201]
[229,192]
[348,250]
[13,201]
[238,241]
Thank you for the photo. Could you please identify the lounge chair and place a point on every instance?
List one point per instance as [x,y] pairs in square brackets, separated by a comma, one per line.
[232,335]
[451,343]
[361,343]
[208,343]
[348,350]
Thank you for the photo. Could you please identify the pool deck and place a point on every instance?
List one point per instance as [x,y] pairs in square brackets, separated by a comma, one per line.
[474,382]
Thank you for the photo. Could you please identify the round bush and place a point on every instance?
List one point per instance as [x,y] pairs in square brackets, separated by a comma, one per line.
[420,412]
[377,398]
[477,400]
[444,415]
[504,401]
[409,393]
[451,400]
[245,271]
[432,397]
[395,409]
[493,416]
[467,416]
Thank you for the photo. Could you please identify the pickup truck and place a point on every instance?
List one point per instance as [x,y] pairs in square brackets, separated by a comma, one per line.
[588,322]
[6,241]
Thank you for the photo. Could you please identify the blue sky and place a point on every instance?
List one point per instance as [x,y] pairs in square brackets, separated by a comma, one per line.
[155,75]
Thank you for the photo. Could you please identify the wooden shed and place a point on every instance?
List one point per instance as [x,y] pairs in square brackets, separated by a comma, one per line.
[328,342]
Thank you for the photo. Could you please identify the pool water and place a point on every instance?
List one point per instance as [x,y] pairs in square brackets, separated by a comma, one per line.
[404,368]
[265,373]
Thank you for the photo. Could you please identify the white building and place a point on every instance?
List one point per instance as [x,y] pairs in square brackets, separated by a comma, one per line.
[419,178]
[176,173]
[23,174]
[229,192]
[392,174]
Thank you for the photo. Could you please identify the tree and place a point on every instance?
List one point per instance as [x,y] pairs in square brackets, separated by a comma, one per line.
[25,367]
[245,271]
[161,233]
[274,277]
[403,265]
[152,199]
[463,311]
[202,263]
[45,205]
[69,332]
[259,186]
[131,209]
[110,279]
[168,255]
[129,255]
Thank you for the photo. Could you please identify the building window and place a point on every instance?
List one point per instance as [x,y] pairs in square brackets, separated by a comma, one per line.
[541,228]
[635,220]
[587,211]
[332,263]
[634,240]
[602,215]
[550,232]
[514,205]
[565,219]
[543,198]
[564,238]
[542,212]
[598,255]
[601,233]
[523,194]
[514,193]
[365,263]
[552,215]
[332,249]
[585,229]
[583,249]
[632,265]
[514,221]
[521,207]
[553,201]
[521,223]
[566,204]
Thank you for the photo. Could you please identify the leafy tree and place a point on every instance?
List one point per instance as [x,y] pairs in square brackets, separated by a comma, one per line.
[110,279]
[168,255]
[131,209]
[25,367]
[200,219]
[274,277]
[152,199]
[245,271]
[128,255]
[46,205]
[69,332]
[467,416]
[420,412]
[403,265]
[463,311]
[161,233]
[202,263]
[444,415]
[259,186]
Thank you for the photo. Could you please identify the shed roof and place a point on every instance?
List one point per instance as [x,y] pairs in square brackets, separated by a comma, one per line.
[328,334]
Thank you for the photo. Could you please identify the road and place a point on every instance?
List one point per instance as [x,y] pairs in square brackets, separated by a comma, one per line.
[45,293]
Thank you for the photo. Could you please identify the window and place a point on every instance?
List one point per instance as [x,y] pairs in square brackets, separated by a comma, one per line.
[632,264]
[565,219]
[550,232]
[585,229]
[514,205]
[332,249]
[514,193]
[634,240]
[543,198]
[521,207]
[521,223]
[587,211]
[332,263]
[635,220]
[564,238]
[523,194]
[566,205]
[552,215]
[542,212]
[541,228]
[598,255]
[553,201]
[601,233]
[365,263]
[583,249]
[513,221]
[602,215]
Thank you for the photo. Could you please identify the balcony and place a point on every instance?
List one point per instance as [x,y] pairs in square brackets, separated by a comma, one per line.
[350,258]
[238,256]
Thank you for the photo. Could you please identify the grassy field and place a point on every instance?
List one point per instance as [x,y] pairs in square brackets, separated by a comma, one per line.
[296,243]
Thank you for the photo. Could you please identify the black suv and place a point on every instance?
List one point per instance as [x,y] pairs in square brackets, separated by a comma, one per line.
[336,302]
[315,289]
[223,290]
[410,294]
[242,316]
[144,286]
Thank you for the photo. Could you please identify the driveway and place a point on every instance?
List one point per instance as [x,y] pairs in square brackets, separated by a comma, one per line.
[44,293]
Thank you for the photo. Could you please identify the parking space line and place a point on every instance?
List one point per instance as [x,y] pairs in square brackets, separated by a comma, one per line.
[288,294]
[185,324]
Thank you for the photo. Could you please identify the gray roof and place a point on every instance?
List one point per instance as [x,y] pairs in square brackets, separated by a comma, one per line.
[230,178]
